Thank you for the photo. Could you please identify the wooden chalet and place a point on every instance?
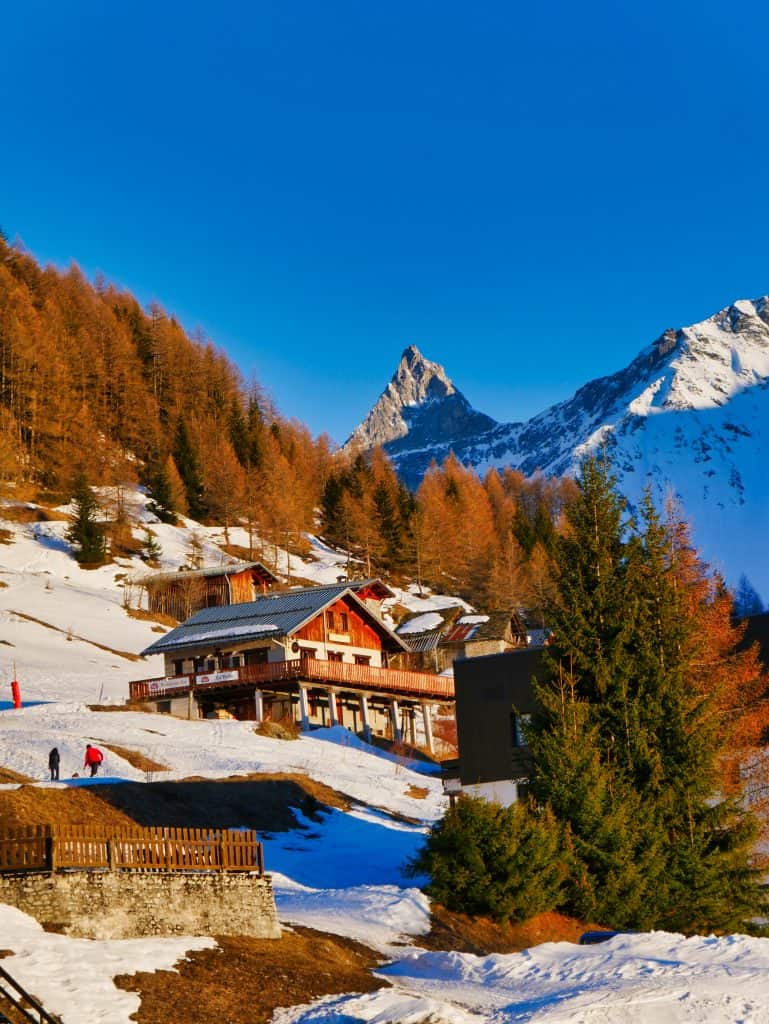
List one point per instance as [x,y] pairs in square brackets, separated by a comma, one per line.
[181,594]
[319,655]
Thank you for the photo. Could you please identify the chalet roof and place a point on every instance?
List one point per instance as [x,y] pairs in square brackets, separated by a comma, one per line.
[230,569]
[419,643]
[497,625]
[270,616]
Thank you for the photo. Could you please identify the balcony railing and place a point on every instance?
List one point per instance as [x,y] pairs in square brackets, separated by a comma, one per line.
[342,674]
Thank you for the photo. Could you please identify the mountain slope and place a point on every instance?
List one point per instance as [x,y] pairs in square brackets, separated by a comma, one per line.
[689,416]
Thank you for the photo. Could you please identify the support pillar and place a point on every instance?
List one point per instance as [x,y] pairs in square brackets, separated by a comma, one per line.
[366,725]
[304,713]
[412,727]
[332,719]
[427,721]
[259,706]
[191,705]
[395,723]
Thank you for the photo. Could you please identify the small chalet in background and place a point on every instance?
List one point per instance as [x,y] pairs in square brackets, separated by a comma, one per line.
[464,636]
[181,594]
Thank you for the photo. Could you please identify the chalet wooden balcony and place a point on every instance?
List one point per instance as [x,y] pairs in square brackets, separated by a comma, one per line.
[274,675]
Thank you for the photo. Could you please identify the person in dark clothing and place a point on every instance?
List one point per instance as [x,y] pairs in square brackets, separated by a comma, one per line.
[53,764]
[93,758]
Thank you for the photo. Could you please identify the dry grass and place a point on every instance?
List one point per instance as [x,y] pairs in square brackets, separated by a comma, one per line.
[481,935]
[261,802]
[283,730]
[128,655]
[417,792]
[33,805]
[145,616]
[245,979]
[23,514]
[9,775]
[134,758]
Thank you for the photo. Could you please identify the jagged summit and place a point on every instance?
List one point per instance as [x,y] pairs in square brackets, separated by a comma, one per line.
[419,401]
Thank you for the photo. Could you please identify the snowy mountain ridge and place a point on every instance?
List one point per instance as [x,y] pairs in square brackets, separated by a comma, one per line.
[688,416]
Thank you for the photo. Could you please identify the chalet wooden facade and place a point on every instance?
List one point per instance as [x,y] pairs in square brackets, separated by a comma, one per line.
[181,594]
[319,655]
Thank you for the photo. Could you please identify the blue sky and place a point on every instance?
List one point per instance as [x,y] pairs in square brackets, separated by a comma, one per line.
[529,192]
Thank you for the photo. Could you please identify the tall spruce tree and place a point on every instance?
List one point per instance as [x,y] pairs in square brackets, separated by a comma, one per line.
[630,735]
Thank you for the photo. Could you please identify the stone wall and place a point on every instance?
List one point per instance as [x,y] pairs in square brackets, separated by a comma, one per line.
[133,904]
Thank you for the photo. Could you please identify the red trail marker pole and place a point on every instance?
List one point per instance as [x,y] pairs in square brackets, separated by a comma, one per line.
[15,691]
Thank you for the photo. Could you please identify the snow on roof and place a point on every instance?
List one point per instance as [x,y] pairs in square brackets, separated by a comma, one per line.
[421,623]
[278,614]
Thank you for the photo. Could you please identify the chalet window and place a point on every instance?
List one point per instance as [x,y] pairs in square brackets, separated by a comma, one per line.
[518,725]
[235,661]
[329,620]
[335,656]
[210,665]
[362,659]
[197,664]
[306,652]
[344,623]
[178,668]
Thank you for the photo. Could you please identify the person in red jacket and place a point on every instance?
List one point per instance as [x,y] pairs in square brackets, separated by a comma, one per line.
[93,758]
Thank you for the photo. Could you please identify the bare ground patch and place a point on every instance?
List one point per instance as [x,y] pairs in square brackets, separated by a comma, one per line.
[247,979]
[417,792]
[481,935]
[135,758]
[266,803]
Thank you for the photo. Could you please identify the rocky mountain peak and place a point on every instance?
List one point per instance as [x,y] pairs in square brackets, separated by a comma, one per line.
[418,379]
[420,401]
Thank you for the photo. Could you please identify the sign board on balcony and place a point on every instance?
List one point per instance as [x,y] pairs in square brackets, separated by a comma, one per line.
[339,638]
[217,677]
[160,685]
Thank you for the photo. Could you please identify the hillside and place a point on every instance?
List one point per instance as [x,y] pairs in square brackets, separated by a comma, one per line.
[338,820]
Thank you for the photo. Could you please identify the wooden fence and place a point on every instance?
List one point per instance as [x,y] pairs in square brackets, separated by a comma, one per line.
[86,847]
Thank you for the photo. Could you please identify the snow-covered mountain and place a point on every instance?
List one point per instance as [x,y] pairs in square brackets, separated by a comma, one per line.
[689,415]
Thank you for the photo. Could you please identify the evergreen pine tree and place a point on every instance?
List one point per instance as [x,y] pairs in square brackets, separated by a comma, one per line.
[162,503]
[186,459]
[85,532]
[631,732]
[504,862]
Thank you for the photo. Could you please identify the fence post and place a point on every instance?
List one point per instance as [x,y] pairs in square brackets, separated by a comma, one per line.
[111,858]
[221,854]
[260,858]
[50,853]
